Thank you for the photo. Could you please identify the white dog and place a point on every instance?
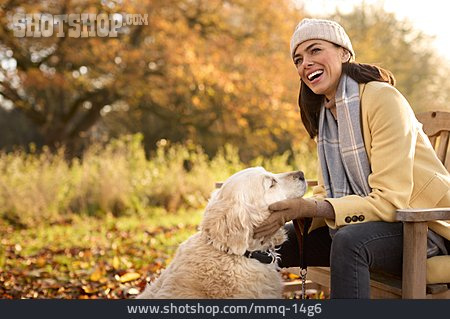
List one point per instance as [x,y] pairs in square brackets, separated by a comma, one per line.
[223,260]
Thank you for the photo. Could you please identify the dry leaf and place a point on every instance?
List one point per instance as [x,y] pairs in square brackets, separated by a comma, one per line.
[293,276]
[133,291]
[89,289]
[41,261]
[129,277]
[97,274]
[116,263]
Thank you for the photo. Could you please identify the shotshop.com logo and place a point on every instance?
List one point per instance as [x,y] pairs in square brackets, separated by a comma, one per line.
[82,25]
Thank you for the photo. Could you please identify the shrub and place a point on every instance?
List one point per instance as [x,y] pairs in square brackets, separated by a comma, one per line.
[118,179]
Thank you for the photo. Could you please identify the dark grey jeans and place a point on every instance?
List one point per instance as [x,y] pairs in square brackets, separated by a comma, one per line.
[354,251]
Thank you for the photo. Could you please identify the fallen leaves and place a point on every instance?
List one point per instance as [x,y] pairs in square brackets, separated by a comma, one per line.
[292,276]
[101,261]
[89,259]
[98,274]
[128,277]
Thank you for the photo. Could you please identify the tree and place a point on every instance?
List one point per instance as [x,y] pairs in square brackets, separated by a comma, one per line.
[209,71]
[379,37]
[65,84]
[228,77]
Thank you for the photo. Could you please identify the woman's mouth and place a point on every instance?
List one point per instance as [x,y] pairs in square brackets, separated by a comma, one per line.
[315,76]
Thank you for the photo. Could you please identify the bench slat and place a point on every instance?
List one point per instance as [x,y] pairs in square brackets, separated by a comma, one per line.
[423,214]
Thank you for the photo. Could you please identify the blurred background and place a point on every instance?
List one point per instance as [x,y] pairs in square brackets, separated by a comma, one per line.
[207,72]
[141,125]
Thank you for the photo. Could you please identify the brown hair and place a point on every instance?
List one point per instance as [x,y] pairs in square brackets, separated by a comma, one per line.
[310,103]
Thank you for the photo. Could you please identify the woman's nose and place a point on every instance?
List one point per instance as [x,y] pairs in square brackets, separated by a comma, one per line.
[304,64]
[306,59]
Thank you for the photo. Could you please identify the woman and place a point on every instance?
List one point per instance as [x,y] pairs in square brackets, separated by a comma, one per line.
[374,158]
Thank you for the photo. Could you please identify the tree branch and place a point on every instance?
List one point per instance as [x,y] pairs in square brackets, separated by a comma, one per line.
[21,104]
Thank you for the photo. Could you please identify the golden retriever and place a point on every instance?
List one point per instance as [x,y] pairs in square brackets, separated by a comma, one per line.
[215,262]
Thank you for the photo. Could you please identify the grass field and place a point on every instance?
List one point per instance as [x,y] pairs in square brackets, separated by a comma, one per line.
[105,225]
[95,258]
[109,257]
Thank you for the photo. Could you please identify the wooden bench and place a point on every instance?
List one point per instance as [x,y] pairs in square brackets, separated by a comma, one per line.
[413,283]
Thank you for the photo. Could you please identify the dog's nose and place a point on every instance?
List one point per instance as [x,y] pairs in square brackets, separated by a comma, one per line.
[299,175]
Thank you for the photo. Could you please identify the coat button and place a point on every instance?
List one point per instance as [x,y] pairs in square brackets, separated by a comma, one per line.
[361,218]
[354,218]
[348,219]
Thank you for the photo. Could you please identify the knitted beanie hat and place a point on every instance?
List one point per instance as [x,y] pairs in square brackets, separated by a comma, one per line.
[327,30]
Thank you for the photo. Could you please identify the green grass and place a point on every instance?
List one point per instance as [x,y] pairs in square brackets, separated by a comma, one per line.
[84,231]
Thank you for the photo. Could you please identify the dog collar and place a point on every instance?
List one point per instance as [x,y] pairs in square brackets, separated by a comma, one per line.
[265,257]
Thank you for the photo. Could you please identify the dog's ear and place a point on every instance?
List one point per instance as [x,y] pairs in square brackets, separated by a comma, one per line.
[226,225]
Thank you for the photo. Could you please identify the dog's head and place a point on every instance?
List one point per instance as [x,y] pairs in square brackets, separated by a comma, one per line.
[242,203]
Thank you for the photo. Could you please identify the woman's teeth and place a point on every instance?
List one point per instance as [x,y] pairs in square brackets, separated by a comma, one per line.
[315,74]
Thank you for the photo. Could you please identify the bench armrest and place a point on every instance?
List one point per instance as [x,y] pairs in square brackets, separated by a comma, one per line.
[312,182]
[423,214]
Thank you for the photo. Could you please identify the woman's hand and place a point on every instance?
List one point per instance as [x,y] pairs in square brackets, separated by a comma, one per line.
[284,211]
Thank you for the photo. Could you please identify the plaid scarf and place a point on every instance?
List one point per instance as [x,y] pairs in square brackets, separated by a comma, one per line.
[342,156]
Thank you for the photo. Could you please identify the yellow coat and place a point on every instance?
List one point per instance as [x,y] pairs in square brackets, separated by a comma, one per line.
[406,172]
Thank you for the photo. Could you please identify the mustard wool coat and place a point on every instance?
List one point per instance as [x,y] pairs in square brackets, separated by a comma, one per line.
[406,172]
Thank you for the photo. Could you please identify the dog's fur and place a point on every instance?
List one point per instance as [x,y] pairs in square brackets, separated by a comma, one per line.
[210,264]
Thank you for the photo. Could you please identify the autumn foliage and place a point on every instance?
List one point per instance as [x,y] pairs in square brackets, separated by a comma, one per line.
[110,146]
[207,72]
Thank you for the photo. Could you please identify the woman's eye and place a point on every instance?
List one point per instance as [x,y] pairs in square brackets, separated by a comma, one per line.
[298,61]
[315,50]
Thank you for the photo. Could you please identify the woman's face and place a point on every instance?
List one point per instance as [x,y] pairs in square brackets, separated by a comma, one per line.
[319,64]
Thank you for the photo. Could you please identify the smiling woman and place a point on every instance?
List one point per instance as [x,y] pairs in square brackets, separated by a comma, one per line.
[373,158]
[319,64]
[322,51]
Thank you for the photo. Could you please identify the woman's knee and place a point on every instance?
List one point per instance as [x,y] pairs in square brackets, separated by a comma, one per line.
[350,241]
[347,250]
[366,239]
[343,240]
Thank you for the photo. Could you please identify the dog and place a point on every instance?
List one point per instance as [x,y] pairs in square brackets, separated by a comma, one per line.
[223,260]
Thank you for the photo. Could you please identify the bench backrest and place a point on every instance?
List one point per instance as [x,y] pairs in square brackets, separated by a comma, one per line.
[437,127]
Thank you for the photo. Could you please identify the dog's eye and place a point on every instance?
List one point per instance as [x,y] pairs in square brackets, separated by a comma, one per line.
[273,183]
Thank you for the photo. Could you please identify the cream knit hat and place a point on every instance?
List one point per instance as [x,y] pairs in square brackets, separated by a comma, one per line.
[327,30]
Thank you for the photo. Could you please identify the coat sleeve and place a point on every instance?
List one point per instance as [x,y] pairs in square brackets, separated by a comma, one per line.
[393,129]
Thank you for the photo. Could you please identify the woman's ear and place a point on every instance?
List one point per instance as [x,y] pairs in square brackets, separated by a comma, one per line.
[345,55]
